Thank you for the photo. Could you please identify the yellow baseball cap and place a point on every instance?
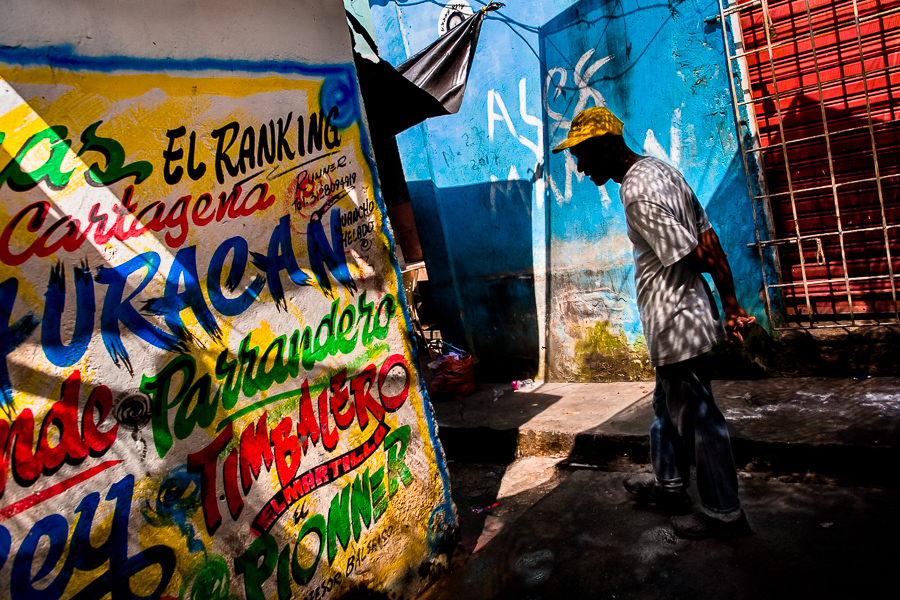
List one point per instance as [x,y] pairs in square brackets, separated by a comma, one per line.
[591,122]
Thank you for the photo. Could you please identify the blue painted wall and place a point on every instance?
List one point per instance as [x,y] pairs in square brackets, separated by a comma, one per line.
[530,261]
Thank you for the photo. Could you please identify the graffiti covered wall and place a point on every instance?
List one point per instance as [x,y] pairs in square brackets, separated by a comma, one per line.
[208,389]
[514,213]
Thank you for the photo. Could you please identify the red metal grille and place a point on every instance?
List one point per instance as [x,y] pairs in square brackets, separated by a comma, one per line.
[822,81]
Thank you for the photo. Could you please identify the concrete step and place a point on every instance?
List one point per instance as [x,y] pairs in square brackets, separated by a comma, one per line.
[794,429]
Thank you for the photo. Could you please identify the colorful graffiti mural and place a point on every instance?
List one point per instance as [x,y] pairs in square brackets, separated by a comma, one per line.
[208,389]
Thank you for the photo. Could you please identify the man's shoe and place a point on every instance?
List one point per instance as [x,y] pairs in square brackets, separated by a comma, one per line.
[699,525]
[647,490]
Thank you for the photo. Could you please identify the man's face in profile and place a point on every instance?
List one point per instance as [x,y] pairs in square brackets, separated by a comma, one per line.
[596,157]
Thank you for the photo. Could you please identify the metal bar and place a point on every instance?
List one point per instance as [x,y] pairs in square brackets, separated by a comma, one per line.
[817,282]
[820,326]
[813,236]
[787,167]
[740,141]
[828,187]
[818,136]
[838,25]
[887,244]
[736,8]
[810,87]
[834,191]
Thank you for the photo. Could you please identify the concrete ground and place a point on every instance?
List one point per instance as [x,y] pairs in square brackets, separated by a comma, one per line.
[813,428]
[583,537]
[543,513]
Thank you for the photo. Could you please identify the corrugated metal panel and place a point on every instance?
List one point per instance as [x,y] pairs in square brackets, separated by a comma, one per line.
[824,80]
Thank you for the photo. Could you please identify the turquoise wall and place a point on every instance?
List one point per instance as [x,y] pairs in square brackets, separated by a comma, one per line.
[529,259]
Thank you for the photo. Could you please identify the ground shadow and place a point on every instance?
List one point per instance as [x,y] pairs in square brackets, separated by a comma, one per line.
[587,539]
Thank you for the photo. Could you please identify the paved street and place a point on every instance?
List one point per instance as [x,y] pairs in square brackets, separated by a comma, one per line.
[545,515]
[579,535]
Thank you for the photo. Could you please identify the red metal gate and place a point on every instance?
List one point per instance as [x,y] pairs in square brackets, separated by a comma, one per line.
[817,82]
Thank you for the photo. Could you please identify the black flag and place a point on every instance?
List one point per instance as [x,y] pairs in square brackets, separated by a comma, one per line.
[429,84]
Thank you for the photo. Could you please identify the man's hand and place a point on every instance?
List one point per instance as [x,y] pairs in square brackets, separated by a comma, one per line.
[737,324]
[708,257]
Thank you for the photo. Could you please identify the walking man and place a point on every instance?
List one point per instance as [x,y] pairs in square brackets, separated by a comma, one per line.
[673,244]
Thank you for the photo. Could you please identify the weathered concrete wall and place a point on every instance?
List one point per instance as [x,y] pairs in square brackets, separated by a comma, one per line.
[658,66]
[208,387]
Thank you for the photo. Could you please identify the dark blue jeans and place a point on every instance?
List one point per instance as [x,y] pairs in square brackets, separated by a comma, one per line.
[690,429]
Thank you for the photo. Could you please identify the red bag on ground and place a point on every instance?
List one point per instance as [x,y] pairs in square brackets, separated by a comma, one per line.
[454,377]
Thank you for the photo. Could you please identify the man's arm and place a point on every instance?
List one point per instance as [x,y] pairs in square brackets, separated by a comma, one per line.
[709,257]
